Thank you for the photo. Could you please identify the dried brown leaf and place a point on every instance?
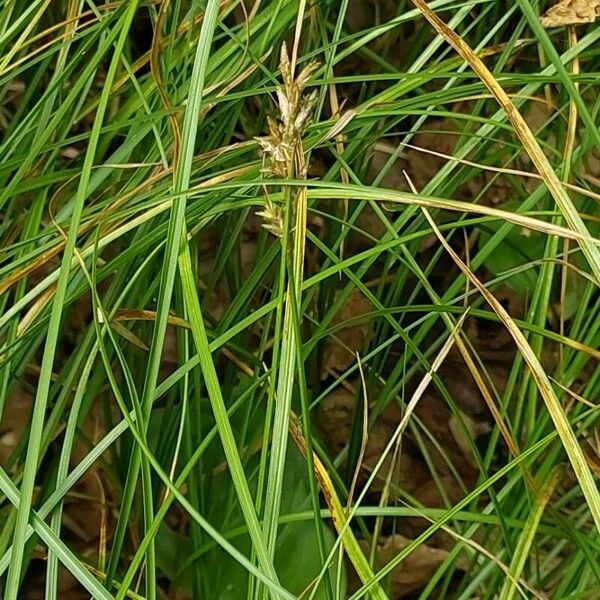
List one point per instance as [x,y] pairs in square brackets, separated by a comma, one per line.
[17,411]
[415,570]
[571,12]
[335,418]
[340,351]
[335,422]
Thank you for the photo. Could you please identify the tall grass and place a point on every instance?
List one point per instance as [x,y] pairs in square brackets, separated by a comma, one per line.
[192,193]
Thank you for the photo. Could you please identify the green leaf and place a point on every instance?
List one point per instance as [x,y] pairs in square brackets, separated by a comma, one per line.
[518,248]
[297,559]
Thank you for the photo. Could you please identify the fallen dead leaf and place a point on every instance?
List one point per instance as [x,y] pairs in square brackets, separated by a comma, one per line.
[409,471]
[415,570]
[571,12]
[473,430]
[491,339]
[334,418]
[68,587]
[83,512]
[363,14]
[431,494]
[17,411]
[340,350]
[444,431]
[90,507]
[445,455]
[368,220]
[443,493]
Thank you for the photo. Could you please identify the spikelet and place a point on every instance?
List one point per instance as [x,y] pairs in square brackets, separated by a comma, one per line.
[272,218]
[285,132]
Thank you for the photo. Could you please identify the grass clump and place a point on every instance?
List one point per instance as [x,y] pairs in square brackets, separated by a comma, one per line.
[299,299]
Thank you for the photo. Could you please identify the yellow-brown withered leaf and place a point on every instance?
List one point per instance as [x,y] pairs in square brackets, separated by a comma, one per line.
[571,12]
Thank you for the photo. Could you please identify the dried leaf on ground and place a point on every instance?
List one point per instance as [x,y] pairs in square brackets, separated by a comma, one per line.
[335,421]
[16,415]
[415,570]
[445,454]
[409,471]
[437,135]
[465,429]
[438,494]
[490,338]
[90,506]
[68,587]
[571,12]
[461,386]
[334,418]
[340,350]
[364,14]
[86,512]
